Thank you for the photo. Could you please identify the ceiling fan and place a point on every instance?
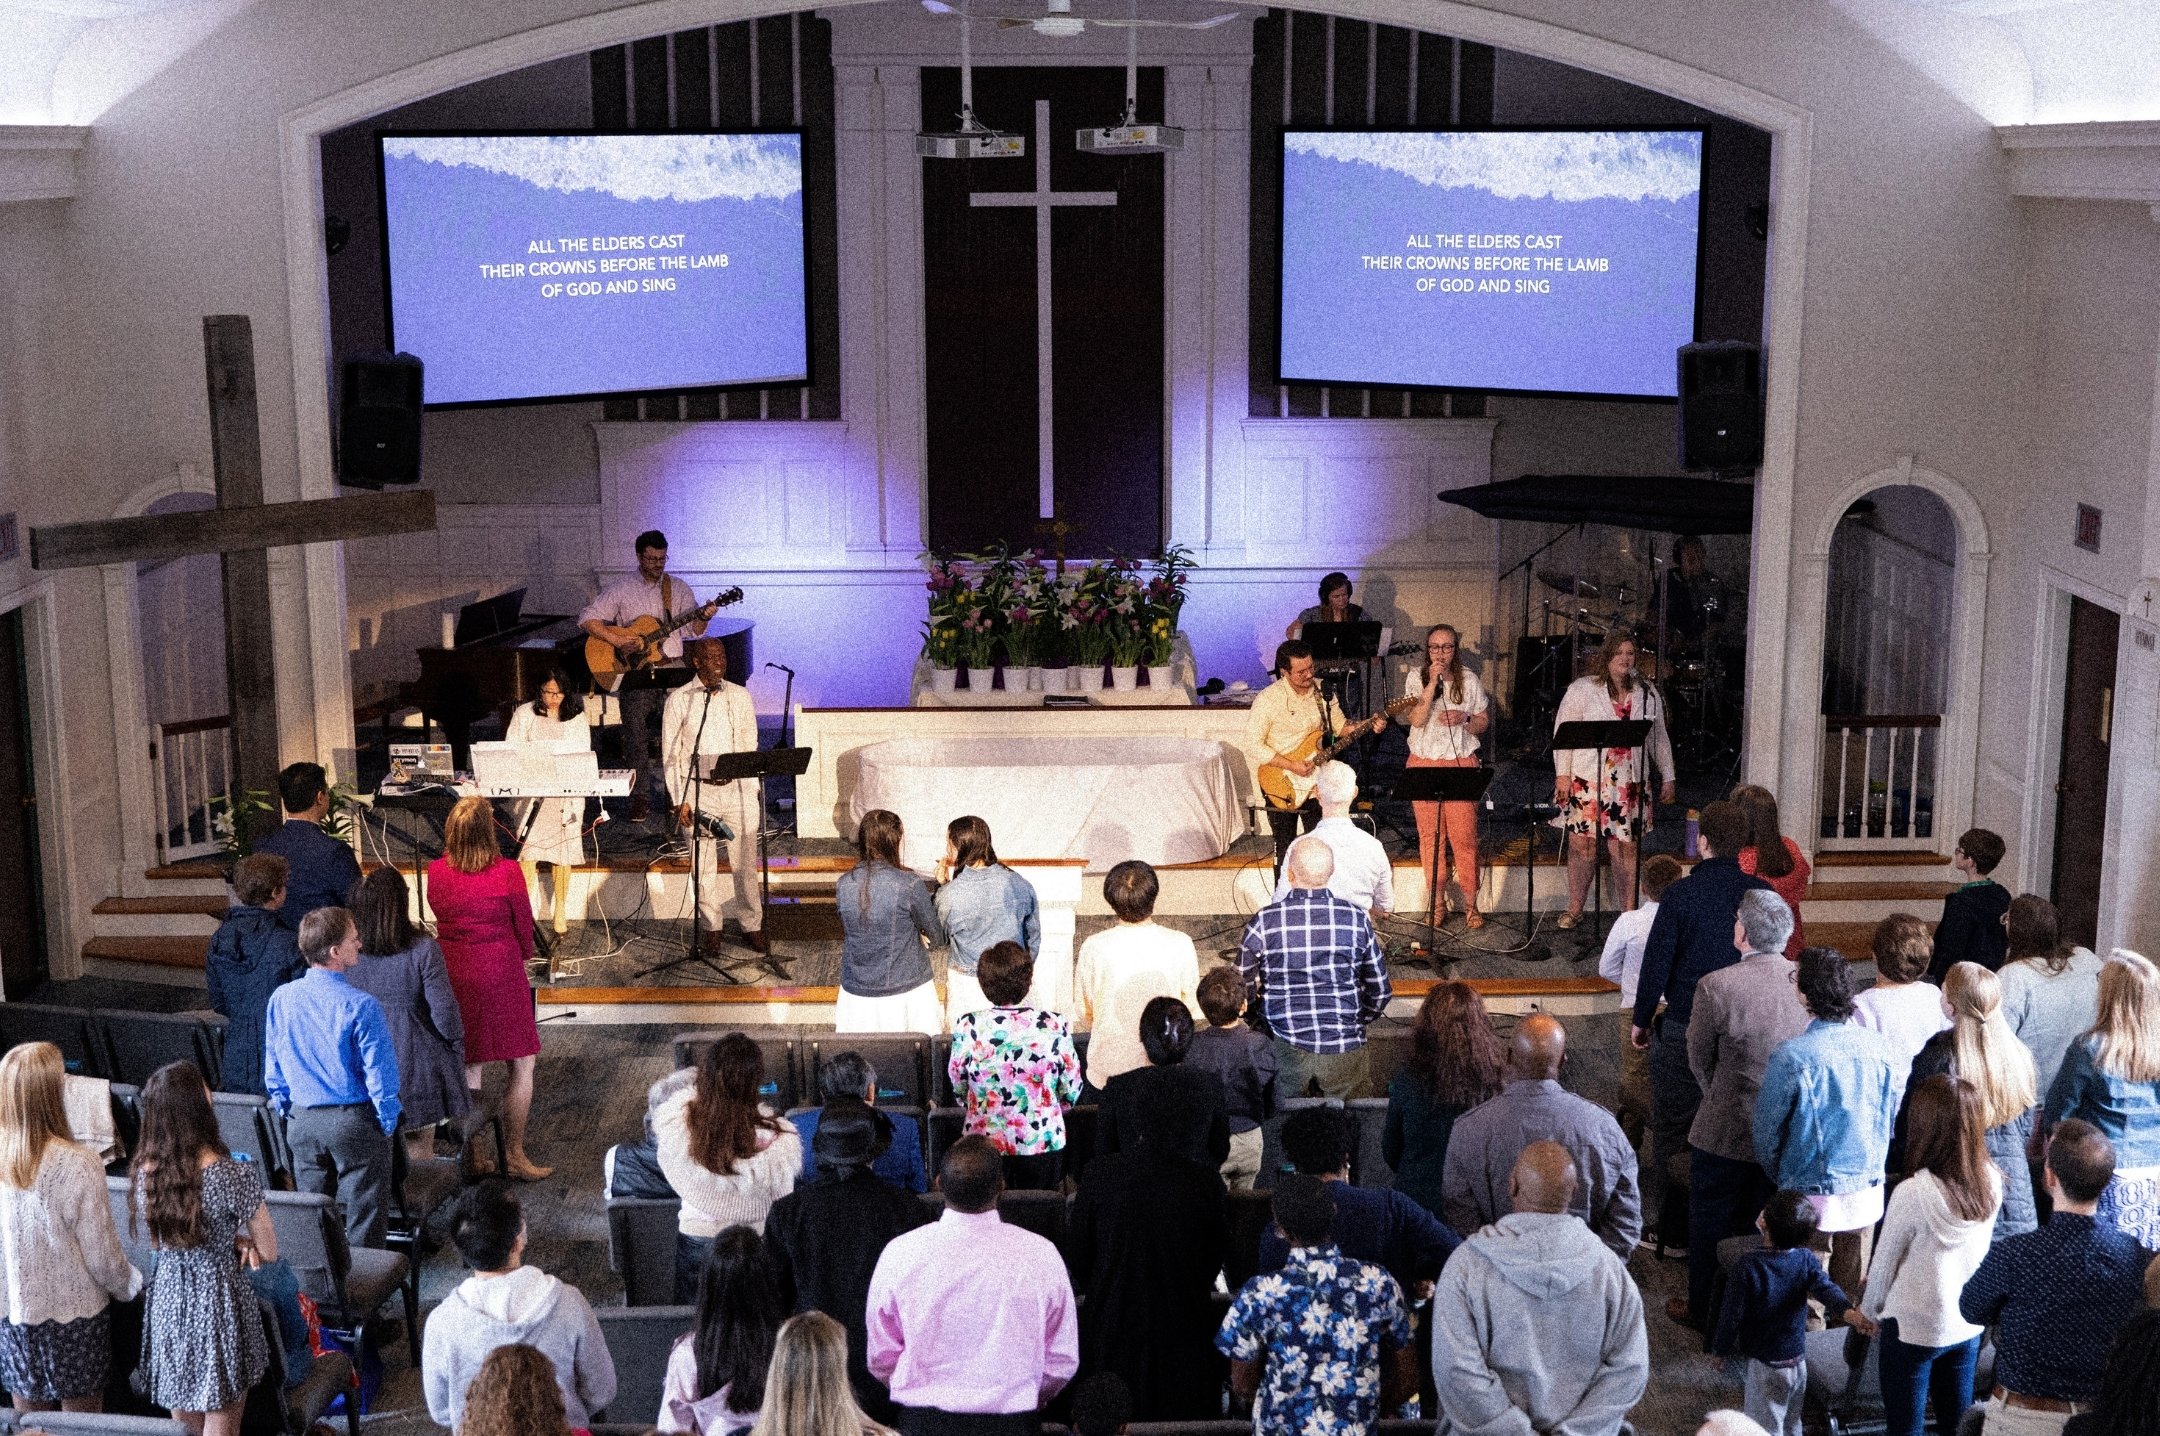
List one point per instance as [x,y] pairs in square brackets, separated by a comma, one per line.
[1059,23]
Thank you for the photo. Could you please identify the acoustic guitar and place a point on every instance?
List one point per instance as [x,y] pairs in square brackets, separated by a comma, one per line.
[607,661]
[1284,790]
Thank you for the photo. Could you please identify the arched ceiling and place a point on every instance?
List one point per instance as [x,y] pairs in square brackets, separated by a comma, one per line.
[66,62]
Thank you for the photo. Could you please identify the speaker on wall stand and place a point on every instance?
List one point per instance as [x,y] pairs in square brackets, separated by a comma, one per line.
[1720,412]
[379,403]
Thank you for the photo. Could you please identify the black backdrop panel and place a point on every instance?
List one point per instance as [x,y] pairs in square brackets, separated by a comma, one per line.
[1106,322]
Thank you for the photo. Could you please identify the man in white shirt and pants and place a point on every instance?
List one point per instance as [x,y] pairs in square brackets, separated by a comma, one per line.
[702,720]
[1364,874]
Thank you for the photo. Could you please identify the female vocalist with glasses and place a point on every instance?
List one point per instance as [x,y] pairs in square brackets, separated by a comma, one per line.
[1599,790]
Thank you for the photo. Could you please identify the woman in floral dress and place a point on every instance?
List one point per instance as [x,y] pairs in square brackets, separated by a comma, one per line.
[1599,789]
[1016,1071]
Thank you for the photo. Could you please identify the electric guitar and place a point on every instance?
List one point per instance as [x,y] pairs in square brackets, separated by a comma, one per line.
[607,661]
[1285,791]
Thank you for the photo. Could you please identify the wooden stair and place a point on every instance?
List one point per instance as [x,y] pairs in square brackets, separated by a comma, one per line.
[182,905]
[183,953]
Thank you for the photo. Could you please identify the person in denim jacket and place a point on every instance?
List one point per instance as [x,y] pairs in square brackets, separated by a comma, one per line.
[1823,1118]
[2110,1077]
[887,917]
[982,902]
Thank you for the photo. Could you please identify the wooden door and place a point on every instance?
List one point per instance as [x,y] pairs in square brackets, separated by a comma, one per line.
[2081,788]
[22,898]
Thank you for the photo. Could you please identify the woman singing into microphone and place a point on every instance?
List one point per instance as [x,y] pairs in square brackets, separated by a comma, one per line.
[1444,728]
[1605,799]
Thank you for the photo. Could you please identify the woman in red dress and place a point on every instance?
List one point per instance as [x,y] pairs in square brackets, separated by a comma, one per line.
[484,922]
[1773,857]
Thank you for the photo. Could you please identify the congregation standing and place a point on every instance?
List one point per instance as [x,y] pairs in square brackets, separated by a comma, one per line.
[1969,1145]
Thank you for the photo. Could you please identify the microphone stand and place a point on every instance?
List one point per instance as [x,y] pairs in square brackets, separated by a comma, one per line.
[697,834]
[786,740]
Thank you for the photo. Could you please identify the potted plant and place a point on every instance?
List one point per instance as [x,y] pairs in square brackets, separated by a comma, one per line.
[1165,601]
[949,597]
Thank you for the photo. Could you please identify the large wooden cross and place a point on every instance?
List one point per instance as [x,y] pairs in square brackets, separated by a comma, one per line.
[241,530]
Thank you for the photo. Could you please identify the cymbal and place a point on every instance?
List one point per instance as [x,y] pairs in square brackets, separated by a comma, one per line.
[1568,583]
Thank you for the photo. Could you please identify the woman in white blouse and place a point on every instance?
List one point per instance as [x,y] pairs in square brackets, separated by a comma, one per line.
[64,1263]
[1449,717]
[557,834]
[1599,790]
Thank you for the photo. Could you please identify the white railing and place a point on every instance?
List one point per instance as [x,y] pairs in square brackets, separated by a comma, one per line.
[192,761]
[1879,780]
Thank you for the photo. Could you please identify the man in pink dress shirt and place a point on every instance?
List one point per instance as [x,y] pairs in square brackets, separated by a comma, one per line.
[972,1322]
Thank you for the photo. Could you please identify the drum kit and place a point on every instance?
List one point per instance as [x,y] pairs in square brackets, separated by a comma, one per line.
[1680,650]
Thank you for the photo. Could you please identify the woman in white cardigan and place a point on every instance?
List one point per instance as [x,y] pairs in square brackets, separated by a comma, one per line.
[64,1263]
[727,1157]
[1936,1231]
[1600,791]
[556,835]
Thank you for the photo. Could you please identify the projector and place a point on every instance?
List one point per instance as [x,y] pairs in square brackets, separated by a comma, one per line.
[970,145]
[1131,139]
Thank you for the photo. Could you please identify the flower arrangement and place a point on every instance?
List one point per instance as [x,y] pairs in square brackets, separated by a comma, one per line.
[1026,602]
[951,598]
[1124,611]
[1083,620]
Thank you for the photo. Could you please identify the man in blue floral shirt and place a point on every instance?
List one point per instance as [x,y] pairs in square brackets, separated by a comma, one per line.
[1324,1343]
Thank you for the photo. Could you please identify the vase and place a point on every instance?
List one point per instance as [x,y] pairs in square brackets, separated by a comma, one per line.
[1024,680]
[1159,677]
[944,681]
[1124,677]
[1090,677]
[1055,678]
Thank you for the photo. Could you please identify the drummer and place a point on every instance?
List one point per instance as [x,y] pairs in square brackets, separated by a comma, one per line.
[1689,595]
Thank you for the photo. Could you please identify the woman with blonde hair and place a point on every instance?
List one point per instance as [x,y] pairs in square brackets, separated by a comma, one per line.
[515,1394]
[1601,791]
[1979,1047]
[64,1265]
[806,1388]
[484,922]
[2110,1077]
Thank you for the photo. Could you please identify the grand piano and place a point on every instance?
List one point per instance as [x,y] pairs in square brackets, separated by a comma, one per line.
[501,655]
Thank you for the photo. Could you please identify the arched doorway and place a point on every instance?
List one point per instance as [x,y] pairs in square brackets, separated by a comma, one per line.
[1894,588]
[1888,638]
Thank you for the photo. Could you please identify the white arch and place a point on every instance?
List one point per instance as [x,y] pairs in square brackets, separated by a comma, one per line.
[1790,127]
[1960,750]
[124,667]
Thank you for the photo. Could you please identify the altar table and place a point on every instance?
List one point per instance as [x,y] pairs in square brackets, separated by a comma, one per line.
[1103,800]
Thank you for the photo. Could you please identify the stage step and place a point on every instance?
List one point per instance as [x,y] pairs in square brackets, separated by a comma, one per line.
[175,961]
[1873,858]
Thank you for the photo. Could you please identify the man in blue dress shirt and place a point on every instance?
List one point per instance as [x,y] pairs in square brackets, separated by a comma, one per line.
[321,870]
[330,1068]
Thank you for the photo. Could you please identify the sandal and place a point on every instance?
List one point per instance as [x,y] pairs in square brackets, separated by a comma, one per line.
[1473,919]
[1567,920]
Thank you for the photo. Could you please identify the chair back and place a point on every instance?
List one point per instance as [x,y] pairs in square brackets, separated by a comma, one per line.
[1272,1159]
[786,1083]
[1042,1213]
[1250,1214]
[1368,1165]
[311,1238]
[942,1126]
[1387,1045]
[641,1248]
[1081,1125]
[246,1125]
[119,1194]
[138,1043]
[71,1029]
[639,1340]
[127,1117]
[902,1061]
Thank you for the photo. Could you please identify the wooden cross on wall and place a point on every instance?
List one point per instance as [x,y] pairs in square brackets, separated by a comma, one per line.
[241,530]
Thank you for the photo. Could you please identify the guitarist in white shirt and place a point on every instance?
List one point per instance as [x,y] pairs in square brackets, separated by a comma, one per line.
[639,696]
[1285,714]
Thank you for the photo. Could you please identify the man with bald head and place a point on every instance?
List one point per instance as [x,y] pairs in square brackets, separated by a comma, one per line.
[1534,1108]
[1322,979]
[1536,1325]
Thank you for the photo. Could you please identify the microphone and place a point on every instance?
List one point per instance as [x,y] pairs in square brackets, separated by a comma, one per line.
[783,668]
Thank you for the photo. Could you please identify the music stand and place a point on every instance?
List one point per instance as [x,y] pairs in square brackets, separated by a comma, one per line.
[1342,640]
[1441,785]
[1603,736]
[761,764]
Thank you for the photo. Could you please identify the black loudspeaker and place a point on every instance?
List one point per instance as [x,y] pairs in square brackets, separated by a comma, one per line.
[379,421]
[1721,422]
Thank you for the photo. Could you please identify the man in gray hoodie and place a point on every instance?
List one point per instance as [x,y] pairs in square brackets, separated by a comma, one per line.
[1537,1326]
[505,1302]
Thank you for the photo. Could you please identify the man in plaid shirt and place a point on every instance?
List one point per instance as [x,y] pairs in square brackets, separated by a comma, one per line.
[1322,978]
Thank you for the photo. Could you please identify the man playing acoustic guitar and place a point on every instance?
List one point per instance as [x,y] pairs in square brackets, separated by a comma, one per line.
[1290,722]
[647,593]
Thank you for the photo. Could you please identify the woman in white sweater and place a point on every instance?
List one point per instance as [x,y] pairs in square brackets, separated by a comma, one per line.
[1933,1237]
[64,1263]
[727,1157]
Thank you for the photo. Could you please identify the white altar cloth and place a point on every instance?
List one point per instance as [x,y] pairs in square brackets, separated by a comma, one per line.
[1104,800]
